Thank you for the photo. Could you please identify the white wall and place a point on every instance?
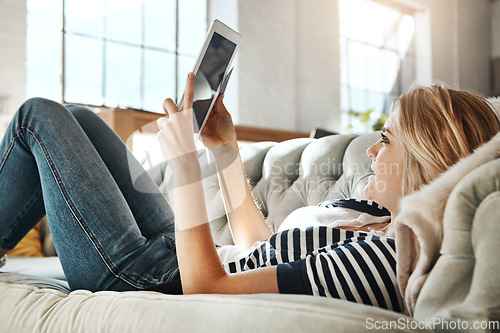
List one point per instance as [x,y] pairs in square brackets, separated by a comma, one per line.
[317,64]
[289,64]
[474,17]
[12,55]
[495,45]
[495,27]
[267,63]
[460,42]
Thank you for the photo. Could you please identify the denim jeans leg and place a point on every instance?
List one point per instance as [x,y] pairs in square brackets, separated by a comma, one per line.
[151,211]
[47,161]
[21,201]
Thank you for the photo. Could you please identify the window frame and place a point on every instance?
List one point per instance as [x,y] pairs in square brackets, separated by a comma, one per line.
[345,40]
[140,46]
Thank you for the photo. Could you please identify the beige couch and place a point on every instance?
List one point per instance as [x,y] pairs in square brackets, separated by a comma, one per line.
[285,176]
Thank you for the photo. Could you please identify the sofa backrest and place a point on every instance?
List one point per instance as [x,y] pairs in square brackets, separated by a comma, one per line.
[304,172]
[287,175]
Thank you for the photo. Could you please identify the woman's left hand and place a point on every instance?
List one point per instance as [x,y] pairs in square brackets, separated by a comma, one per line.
[176,129]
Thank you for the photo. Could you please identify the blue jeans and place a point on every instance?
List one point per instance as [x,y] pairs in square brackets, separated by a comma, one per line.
[65,162]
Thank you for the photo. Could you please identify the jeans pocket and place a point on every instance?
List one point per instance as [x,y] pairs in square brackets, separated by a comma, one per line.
[170,242]
[154,265]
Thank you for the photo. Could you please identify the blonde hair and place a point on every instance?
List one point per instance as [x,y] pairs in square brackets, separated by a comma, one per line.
[438,126]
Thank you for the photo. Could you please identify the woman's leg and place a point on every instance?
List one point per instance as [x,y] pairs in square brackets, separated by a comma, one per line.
[148,205]
[49,165]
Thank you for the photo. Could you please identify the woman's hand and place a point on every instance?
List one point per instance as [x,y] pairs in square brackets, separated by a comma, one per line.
[176,129]
[219,129]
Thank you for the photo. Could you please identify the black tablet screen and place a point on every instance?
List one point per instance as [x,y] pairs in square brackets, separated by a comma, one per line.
[209,76]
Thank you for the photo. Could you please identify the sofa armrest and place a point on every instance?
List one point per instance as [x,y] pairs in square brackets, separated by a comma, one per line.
[469,258]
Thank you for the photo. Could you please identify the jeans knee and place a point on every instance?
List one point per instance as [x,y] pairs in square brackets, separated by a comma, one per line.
[38,108]
[80,112]
[36,111]
[40,103]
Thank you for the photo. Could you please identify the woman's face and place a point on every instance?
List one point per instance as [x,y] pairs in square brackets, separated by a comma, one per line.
[385,185]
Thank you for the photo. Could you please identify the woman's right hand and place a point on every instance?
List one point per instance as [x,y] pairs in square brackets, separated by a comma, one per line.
[219,130]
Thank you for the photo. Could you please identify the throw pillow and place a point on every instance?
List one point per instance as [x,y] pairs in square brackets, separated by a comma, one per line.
[30,245]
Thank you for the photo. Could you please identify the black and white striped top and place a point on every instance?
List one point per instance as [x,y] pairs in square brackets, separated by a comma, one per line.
[326,261]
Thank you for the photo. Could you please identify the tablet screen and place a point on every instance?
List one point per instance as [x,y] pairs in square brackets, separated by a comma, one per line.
[209,76]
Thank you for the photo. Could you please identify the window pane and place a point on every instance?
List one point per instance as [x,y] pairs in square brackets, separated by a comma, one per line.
[192,26]
[358,105]
[43,64]
[123,20]
[344,99]
[391,69]
[123,76]
[357,100]
[380,59]
[352,18]
[83,70]
[373,19]
[343,61]
[391,23]
[376,102]
[185,65]
[357,65]
[160,24]
[85,17]
[44,14]
[406,32]
[159,79]
[375,69]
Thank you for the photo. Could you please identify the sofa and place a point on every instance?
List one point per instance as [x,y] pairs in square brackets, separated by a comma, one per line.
[34,296]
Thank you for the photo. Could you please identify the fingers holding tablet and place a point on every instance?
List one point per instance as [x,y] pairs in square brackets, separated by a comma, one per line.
[189,92]
[169,106]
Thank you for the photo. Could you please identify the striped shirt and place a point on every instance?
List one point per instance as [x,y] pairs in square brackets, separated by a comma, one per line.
[326,261]
[322,260]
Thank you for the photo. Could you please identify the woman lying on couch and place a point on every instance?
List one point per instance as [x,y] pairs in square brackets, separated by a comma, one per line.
[114,234]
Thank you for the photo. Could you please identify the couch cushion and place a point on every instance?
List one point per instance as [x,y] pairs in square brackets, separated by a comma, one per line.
[28,309]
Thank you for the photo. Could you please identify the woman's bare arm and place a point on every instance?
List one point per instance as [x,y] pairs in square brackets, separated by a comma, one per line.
[200,267]
[199,264]
[245,219]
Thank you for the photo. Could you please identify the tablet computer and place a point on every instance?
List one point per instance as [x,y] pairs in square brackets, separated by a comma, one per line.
[212,70]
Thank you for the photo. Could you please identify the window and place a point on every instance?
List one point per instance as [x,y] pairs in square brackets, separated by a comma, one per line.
[114,53]
[377,59]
